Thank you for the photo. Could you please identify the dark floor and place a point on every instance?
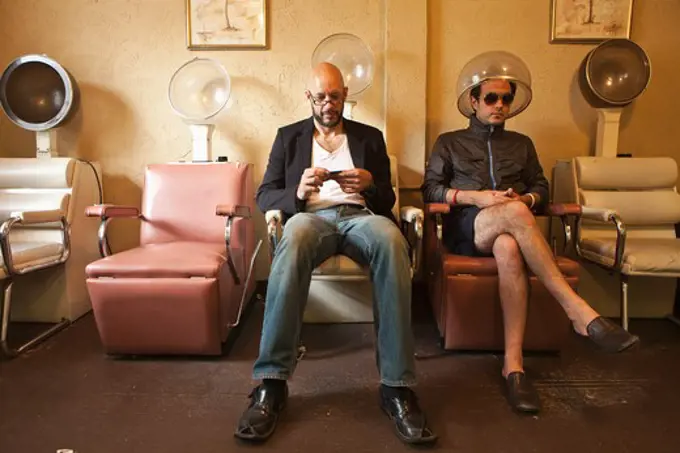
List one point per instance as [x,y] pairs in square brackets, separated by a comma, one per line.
[67,394]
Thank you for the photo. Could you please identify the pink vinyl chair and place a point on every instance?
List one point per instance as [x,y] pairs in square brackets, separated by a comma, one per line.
[183,289]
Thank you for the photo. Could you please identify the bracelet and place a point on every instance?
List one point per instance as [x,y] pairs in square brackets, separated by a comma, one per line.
[533,200]
[455,194]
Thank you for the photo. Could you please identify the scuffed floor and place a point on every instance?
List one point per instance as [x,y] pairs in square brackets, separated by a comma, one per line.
[67,394]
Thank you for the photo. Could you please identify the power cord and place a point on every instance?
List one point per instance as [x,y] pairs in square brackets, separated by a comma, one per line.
[96,176]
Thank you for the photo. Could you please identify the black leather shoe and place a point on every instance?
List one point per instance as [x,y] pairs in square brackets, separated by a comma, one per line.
[409,420]
[610,337]
[258,422]
[522,396]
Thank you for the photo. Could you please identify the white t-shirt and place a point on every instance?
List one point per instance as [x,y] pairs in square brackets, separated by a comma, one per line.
[330,193]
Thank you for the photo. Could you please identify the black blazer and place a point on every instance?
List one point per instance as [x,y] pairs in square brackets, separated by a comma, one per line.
[292,153]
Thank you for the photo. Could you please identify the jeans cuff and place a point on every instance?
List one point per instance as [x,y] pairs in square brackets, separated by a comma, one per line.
[402,383]
[268,375]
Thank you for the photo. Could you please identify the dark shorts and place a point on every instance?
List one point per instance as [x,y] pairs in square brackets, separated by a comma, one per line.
[459,231]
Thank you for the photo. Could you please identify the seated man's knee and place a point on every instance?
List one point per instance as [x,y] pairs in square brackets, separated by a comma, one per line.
[301,230]
[505,247]
[386,235]
[518,212]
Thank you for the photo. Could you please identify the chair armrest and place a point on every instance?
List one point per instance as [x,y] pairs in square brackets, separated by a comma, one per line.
[231,210]
[273,215]
[274,219]
[600,214]
[410,214]
[606,215]
[414,216]
[437,208]
[33,218]
[109,211]
[562,209]
[590,213]
[106,212]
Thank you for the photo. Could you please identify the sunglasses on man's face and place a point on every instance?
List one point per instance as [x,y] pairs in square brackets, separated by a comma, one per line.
[492,98]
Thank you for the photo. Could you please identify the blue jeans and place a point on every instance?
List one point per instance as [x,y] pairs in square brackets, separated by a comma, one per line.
[307,241]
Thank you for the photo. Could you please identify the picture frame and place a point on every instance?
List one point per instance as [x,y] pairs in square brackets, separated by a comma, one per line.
[227,24]
[590,21]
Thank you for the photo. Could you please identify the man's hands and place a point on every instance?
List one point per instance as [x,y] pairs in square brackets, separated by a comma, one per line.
[311,181]
[485,198]
[355,180]
[351,181]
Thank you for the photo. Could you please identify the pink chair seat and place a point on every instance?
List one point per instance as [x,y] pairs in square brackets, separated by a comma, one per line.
[169,260]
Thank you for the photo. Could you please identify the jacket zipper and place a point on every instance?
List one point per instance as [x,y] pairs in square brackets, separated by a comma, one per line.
[488,145]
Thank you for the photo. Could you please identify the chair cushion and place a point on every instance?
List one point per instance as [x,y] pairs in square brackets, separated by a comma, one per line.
[460,264]
[26,254]
[340,265]
[168,260]
[641,256]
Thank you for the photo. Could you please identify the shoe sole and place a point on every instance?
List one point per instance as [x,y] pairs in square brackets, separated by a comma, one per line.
[260,437]
[408,440]
[633,341]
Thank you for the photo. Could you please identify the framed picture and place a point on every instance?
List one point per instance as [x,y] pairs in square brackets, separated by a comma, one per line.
[590,21]
[226,24]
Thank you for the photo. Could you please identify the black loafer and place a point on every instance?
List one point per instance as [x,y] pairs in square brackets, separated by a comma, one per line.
[522,396]
[409,421]
[610,337]
[258,422]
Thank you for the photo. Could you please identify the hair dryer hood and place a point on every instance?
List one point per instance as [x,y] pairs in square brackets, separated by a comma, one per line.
[352,57]
[37,93]
[494,65]
[614,73]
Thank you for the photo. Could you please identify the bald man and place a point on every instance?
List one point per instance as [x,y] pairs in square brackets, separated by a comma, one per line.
[331,178]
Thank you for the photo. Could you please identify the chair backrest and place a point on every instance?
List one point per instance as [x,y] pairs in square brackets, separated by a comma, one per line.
[32,184]
[179,201]
[641,190]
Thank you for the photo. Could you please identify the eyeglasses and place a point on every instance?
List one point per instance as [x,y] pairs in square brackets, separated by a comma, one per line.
[492,98]
[321,99]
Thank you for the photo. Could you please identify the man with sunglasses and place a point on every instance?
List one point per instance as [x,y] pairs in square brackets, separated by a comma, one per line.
[331,178]
[494,182]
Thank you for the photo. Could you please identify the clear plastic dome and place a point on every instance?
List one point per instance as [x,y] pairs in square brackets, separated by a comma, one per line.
[614,73]
[495,65]
[199,89]
[353,58]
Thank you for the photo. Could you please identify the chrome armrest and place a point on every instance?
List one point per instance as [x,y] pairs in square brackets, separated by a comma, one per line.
[106,212]
[590,213]
[605,215]
[33,218]
[413,216]
[274,219]
[436,210]
[231,212]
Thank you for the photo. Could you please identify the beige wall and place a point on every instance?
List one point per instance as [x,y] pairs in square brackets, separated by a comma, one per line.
[123,53]
[560,122]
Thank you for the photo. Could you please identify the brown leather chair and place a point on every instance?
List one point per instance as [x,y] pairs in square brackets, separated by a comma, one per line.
[463,292]
[183,288]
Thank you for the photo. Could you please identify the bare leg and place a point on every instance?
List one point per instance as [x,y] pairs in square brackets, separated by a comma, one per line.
[515,219]
[513,287]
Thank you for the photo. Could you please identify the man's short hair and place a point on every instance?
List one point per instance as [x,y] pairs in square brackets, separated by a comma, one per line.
[477,91]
